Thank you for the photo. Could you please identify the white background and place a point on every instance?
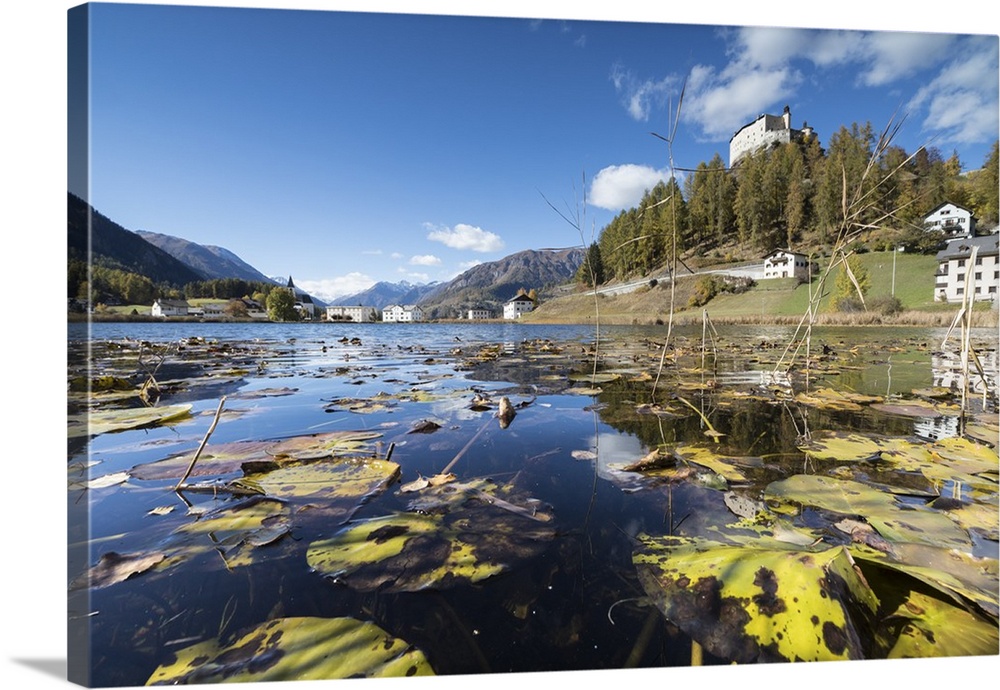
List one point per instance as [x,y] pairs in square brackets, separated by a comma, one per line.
[33,216]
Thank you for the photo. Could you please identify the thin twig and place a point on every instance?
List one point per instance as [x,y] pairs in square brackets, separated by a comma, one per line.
[218,413]
[466,447]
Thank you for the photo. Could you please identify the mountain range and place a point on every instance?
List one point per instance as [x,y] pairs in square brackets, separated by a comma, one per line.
[209,260]
[176,261]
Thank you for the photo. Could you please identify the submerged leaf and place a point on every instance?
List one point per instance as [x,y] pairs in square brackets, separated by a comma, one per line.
[296,649]
[462,534]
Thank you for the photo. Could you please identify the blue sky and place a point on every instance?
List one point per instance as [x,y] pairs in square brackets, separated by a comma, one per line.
[344,147]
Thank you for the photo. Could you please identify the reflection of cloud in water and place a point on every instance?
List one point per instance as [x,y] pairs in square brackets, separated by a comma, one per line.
[615,448]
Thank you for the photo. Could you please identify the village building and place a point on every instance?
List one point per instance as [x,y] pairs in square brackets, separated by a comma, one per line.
[522,304]
[951,219]
[766,130]
[354,313]
[408,313]
[784,263]
[479,314]
[255,310]
[304,304]
[958,270]
[170,307]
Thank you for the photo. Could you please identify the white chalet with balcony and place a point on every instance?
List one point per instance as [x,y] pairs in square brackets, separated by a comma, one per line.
[958,271]
[953,220]
[784,263]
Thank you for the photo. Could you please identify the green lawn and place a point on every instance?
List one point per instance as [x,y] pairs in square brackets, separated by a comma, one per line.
[913,285]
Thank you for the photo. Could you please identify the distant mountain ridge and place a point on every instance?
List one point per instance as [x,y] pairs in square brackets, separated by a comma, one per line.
[383,294]
[486,286]
[211,261]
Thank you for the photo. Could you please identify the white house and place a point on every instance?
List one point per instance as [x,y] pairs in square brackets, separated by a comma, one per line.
[355,313]
[521,304]
[955,265]
[395,313]
[170,307]
[766,130]
[953,220]
[784,263]
[479,314]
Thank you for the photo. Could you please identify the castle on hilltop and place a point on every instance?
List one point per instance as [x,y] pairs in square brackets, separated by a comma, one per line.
[766,130]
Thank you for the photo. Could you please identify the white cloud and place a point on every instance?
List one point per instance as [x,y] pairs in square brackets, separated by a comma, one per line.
[764,71]
[640,96]
[424,260]
[466,265]
[396,256]
[722,103]
[464,236]
[891,55]
[618,187]
[961,102]
[331,288]
[372,252]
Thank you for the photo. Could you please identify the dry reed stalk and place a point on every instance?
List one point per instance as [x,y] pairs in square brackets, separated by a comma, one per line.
[856,206]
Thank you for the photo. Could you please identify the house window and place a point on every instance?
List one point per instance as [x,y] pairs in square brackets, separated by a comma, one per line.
[979,261]
[979,276]
[960,291]
[993,288]
[960,277]
[961,262]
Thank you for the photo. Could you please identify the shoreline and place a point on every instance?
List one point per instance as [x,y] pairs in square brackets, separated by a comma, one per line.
[985,318]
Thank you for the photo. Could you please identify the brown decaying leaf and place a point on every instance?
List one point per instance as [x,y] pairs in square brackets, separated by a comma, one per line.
[114,568]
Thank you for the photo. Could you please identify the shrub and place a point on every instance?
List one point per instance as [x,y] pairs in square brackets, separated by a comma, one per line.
[887,305]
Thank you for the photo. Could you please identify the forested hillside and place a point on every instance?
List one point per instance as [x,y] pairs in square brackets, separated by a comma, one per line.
[792,196]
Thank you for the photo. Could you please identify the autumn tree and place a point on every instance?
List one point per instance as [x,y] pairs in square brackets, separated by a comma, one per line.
[281,306]
[851,285]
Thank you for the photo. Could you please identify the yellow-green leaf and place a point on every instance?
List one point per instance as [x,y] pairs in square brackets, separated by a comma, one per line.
[296,649]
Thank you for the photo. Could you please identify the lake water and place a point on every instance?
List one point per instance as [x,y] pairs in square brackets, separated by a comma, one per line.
[545,496]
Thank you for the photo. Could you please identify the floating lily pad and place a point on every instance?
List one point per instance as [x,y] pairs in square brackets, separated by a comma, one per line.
[895,522]
[225,458]
[606,377]
[720,464]
[296,649]
[918,408]
[849,446]
[960,576]
[345,478]
[107,421]
[829,399]
[935,628]
[744,603]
